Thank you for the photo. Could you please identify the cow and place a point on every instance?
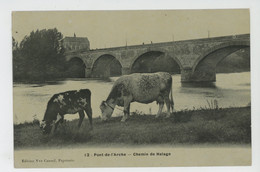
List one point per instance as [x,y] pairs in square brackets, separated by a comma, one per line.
[142,88]
[69,102]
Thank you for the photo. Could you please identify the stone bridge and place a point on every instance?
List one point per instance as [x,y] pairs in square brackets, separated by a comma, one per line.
[196,59]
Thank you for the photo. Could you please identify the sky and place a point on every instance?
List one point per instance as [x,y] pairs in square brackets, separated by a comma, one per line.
[106,29]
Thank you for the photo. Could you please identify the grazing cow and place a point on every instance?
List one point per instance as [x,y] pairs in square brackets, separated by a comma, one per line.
[142,88]
[69,102]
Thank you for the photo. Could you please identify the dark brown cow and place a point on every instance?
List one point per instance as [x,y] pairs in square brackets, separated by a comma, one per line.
[69,102]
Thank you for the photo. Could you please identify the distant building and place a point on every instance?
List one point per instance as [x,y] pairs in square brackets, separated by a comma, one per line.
[75,43]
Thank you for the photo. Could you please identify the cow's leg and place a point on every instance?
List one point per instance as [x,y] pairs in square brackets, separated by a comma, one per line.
[127,102]
[56,123]
[168,105]
[62,120]
[89,113]
[128,111]
[160,101]
[81,117]
[160,110]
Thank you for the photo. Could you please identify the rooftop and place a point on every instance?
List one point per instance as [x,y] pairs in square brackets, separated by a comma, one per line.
[76,39]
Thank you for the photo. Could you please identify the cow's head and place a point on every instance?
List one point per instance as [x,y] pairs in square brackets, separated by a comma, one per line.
[46,126]
[106,110]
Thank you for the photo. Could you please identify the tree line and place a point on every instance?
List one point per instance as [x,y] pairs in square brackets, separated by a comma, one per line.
[39,56]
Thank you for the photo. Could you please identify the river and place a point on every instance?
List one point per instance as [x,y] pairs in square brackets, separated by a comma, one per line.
[230,90]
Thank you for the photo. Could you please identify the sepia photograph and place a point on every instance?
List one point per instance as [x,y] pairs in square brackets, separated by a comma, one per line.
[131,88]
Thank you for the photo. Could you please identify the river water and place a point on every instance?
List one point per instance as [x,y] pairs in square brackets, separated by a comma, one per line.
[230,90]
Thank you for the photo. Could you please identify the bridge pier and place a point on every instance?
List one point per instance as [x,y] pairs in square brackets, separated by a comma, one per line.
[88,72]
[125,70]
[187,75]
[204,75]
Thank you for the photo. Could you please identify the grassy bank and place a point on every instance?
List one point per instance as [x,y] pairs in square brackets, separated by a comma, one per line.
[213,126]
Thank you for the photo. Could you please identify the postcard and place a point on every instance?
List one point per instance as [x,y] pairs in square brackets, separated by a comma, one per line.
[131,88]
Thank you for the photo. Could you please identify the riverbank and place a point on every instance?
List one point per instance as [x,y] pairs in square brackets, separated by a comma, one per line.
[204,126]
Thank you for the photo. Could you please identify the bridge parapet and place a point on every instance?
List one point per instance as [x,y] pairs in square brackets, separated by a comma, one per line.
[170,43]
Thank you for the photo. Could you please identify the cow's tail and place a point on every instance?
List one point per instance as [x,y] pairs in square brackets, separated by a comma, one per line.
[171,100]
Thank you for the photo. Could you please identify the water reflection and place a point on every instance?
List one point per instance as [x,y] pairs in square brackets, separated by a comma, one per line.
[199,84]
[104,79]
[38,84]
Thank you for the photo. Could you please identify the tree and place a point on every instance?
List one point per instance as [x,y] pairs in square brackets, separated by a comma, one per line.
[40,56]
[14,44]
[17,61]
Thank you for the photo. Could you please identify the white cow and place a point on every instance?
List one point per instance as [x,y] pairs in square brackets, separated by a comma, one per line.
[142,88]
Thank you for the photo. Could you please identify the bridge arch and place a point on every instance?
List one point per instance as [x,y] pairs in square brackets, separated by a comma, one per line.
[106,65]
[204,68]
[154,60]
[218,47]
[75,67]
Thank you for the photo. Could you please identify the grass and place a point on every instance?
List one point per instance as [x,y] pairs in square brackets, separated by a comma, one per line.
[204,126]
